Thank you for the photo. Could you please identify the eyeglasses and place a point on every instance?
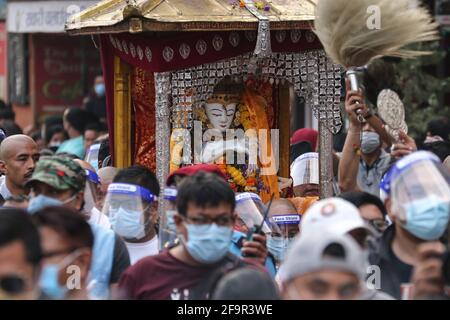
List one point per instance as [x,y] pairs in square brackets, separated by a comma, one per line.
[12,284]
[220,221]
[379,224]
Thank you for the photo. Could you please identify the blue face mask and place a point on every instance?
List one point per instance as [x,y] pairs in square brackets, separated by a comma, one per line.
[100,89]
[126,223]
[208,243]
[277,246]
[370,141]
[49,282]
[427,218]
[40,202]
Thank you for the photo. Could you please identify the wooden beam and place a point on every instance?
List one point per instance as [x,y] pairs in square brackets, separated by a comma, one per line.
[122,113]
[284,124]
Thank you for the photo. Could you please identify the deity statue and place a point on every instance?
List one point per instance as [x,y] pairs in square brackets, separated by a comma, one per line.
[239,153]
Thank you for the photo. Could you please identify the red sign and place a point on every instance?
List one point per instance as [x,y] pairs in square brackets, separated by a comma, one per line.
[64,71]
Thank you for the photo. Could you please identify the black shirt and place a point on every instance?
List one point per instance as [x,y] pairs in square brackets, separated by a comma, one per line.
[395,274]
[121,260]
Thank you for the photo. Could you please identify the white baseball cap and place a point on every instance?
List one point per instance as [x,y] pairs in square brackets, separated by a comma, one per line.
[334,215]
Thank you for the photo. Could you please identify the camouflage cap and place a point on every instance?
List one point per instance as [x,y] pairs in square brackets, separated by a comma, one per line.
[59,172]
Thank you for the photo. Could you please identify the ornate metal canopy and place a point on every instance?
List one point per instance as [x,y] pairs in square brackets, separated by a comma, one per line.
[136,16]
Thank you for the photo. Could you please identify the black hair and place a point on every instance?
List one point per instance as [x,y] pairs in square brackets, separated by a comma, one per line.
[94,126]
[36,135]
[7,114]
[335,250]
[79,118]
[246,284]
[11,128]
[16,225]
[52,130]
[140,176]
[67,222]
[204,189]
[359,199]
[439,126]
[103,151]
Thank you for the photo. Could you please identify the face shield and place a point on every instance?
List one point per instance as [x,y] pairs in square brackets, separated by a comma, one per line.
[287,228]
[420,194]
[128,209]
[90,191]
[250,210]
[167,228]
[305,169]
[92,156]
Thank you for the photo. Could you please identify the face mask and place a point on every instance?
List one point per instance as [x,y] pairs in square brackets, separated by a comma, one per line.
[170,221]
[207,243]
[277,246]
[40,202]
[370,142]
[54,144]
[427,218]
[126,223]
[100,89]
[49,280]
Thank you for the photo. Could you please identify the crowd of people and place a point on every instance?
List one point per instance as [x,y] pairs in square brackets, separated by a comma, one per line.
[72,226]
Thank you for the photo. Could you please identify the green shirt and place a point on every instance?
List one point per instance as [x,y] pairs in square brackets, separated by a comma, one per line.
[74,146]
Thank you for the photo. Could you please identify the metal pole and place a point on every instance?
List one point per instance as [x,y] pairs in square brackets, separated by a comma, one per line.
[325,161]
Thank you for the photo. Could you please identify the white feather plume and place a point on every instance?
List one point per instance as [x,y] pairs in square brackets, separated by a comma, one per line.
[342,27]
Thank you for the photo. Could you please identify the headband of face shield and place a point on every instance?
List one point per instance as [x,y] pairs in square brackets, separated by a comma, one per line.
[170,194]
[92,155]
[167,230]
[90,190]
[400,166]
[128,197]
[250,210]
[305,169]
[418,186]
[287,227]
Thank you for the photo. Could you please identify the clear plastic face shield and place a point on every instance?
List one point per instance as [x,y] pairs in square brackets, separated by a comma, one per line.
[305,169]
[284,229]
[90,191]
[92,156]
[418,186]
[167,229]
[128,209]
[250,210]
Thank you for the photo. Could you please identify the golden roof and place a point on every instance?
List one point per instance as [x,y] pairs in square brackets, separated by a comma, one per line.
[186,15]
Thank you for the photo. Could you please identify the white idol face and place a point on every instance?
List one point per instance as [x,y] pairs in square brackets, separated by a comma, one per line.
[220,116]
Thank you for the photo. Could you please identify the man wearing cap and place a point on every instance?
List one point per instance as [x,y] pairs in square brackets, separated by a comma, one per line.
[323,266]
[417,193]
[132,207]
[60,181]
[337,216]
[18,156]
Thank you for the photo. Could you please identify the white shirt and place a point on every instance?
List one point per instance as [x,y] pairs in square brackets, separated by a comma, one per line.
[99,218]
[4,191]
[138,251]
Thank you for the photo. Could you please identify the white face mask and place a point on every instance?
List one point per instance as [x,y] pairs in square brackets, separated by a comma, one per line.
[220,117]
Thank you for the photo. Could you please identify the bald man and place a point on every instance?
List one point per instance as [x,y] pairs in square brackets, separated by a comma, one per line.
[18,156]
